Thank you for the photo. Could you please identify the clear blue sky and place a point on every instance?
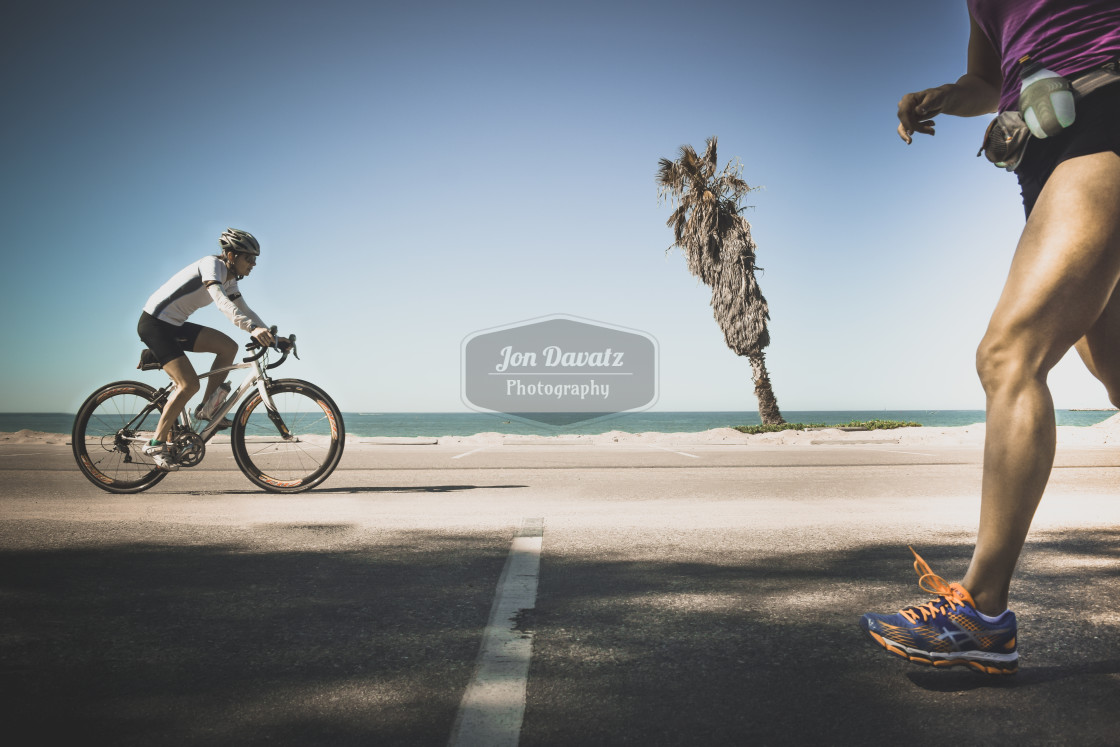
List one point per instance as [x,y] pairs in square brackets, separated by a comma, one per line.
[419,171]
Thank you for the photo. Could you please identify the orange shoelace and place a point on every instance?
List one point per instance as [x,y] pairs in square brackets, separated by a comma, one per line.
[950,595]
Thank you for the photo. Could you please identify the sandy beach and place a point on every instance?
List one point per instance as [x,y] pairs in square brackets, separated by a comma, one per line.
[1105,433]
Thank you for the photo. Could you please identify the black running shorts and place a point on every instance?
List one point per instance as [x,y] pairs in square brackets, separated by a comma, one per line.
[1096,130]
[166,340]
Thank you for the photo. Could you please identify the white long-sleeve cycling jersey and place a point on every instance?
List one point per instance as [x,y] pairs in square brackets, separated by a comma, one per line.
[196,285]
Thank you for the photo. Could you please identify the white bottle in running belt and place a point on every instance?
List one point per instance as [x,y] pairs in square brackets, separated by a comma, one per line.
[1045,100]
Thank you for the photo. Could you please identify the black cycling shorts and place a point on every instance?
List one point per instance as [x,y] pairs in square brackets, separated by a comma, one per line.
[1096,130]
[166,340]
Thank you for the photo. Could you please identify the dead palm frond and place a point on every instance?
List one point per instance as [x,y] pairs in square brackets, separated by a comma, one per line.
[709,228]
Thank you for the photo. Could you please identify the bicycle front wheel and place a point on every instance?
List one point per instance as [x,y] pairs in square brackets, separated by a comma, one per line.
[110,430]
[295,447]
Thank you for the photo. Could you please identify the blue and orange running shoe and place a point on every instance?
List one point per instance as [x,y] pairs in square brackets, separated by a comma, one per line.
[947,631]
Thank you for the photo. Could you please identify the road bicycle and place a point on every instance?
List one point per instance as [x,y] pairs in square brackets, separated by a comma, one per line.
[287,435]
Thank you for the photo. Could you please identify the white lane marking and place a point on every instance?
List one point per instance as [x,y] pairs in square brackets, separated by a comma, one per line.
[28,453]
[674,451]
[493,706]
[472,451]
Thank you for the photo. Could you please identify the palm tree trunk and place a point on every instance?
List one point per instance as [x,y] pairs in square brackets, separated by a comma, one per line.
[767,403]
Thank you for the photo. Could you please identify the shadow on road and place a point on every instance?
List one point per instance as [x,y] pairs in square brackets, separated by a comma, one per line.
[764,648]
[427,488]
[363,489]
[338,634]
[292,634]
[960,681]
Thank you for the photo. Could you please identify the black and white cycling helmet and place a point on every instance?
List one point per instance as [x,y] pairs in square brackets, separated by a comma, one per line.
[242,242]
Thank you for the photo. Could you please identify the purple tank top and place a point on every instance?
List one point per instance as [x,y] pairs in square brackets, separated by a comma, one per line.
[1067,36]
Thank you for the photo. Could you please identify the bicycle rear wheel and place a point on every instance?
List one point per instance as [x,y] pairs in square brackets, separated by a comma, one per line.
[309,453]
[110,430]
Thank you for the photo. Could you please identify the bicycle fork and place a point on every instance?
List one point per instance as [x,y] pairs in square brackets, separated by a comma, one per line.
[273,413]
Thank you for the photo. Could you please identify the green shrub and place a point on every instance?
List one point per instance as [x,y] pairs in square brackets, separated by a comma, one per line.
[870,425]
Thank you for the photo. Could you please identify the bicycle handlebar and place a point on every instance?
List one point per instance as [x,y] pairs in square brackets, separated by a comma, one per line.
[283,344]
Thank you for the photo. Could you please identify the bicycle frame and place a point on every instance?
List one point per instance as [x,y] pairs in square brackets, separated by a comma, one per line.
[257,377]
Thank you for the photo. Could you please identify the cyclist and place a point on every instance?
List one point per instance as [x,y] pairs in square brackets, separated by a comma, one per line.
[164,328]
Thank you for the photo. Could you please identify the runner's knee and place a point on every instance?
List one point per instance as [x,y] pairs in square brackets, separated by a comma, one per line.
[1004,361]
[1111,386]
[1101,354]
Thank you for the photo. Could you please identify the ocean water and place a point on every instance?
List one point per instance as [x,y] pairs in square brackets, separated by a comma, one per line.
[400,424]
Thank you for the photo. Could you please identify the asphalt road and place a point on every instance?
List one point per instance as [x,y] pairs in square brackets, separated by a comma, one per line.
[688,594]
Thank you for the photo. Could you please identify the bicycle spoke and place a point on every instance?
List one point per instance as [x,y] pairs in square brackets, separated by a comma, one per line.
[107,442]
[296,463]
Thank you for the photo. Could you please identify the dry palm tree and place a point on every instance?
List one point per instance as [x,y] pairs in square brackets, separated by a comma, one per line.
[716,239]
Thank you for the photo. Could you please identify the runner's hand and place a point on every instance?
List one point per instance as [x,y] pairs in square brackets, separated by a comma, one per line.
[917,110]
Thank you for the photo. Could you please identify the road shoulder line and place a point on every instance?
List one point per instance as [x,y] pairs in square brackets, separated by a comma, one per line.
[493,705]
